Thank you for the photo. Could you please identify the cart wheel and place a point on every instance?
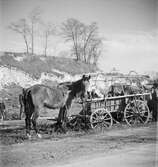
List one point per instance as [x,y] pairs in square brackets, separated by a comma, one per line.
[136,112]
[101,119]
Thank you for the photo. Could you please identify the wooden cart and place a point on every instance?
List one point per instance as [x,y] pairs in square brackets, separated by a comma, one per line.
[132,109]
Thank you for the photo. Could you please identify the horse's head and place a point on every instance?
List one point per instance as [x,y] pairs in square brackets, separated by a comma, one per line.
[80,87]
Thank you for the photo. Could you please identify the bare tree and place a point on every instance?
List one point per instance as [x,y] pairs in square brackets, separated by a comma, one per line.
[85,39]
[22,28]
[72,30]
[34,17]
[94,51]
[89,35]
[48,30]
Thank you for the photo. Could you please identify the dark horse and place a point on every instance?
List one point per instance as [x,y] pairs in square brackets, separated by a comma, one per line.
[37,97]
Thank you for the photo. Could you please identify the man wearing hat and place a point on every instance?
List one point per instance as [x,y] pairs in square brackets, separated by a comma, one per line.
[154,101]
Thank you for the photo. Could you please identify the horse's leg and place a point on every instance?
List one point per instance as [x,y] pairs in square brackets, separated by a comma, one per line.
[34,121]
[60,116]
[64,119]
[59,125]
[28,125]
[59,121]
[28,114]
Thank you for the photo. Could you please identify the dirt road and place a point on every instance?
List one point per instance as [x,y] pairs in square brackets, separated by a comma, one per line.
[121,146]
[136,156]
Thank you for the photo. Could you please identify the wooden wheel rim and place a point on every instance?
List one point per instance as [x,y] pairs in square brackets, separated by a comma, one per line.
[101,118]
[136,111]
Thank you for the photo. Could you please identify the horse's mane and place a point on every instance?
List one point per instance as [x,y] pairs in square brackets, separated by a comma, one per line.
[66,85]
[76,87]
[76,83]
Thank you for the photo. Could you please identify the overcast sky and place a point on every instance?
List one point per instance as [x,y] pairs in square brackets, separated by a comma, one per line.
[129,27]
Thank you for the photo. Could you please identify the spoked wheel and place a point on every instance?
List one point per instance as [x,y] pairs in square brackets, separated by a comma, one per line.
[136,112]
[101,119]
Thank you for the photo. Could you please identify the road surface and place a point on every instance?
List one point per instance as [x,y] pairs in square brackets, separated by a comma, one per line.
[137,156]
[121,146]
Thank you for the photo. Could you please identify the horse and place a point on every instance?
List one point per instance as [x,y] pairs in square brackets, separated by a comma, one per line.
[38,97]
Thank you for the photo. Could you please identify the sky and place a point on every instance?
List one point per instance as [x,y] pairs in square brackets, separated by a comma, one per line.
[129,28]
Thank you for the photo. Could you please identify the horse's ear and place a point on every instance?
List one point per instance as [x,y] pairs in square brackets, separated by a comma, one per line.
[84,77]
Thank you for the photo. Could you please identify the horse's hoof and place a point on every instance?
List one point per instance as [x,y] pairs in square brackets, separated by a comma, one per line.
[39,135]
[29,136]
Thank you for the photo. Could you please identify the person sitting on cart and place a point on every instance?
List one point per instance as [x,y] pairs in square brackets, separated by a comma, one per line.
[94,94]
[87,106]
[154,94]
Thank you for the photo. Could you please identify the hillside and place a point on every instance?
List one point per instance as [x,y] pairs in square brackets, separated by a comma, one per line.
[36,65]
